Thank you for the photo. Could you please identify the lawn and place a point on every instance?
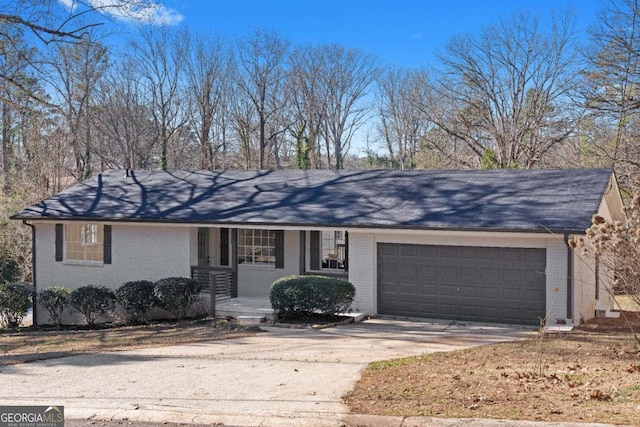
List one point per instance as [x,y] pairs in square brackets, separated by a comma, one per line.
[589,375]
[30,344]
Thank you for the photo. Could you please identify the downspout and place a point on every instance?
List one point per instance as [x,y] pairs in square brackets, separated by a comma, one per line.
[33,270]
[569,277]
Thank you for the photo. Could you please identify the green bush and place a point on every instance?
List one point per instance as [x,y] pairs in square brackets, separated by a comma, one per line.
[137,298]
[177,294]
[55,300]
[302,295]
[15,300]
[9,271]
[92,301]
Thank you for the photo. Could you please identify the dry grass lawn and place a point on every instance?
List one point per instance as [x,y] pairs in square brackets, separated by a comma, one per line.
[590,375]
[27,345]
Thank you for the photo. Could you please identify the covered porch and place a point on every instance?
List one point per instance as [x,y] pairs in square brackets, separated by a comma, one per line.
[237,266]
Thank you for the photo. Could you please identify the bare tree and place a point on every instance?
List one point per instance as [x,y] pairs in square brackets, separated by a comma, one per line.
[244,123]
[14,62]
[161,58]
[77,68]
[309,104]
[261,76]
[402,126]
[346,79]
[207,74]
[508,92]
[125,128]
[56,22]
[613,77]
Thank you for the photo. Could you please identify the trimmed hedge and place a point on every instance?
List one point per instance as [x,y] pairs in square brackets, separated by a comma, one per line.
[302,295]
[92,301]
[15,300]
[138,299]
[55,300]
[177,294]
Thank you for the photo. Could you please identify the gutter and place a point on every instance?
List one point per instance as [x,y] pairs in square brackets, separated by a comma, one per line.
[297,226]
[33,270]
[569,277]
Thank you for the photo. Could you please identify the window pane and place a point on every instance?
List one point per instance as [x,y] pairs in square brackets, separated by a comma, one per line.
[84,242]
[256,246]
[332,248]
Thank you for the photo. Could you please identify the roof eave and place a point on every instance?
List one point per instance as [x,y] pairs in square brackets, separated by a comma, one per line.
[542,230]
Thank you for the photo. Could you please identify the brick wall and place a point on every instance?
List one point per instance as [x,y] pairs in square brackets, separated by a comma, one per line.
[256,281]
[138,252]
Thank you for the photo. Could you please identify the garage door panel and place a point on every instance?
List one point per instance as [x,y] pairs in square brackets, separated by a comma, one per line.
[408,289]
[449,252]
[534,295]
[408,251]
[427,289]
[427,270]
[428,252]
[490,274]
[468,272]
[511,294]
[466,283]
[532,276]
[490,292]
[467,291]
[534,255]
[511,254]
[512,276]
[448,271]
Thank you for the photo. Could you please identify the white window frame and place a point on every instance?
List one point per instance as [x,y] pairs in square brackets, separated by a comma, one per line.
[89,237]
[330,256]
[253,243]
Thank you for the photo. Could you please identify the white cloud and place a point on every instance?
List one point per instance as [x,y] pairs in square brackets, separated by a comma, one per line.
[417,36]
[145,11]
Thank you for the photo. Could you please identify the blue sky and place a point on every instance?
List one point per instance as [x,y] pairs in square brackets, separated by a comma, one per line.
[400,32]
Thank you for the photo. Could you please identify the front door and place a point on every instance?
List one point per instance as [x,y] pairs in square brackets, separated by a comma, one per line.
[203,247]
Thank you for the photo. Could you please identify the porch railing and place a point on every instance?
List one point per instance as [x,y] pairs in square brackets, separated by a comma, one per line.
[222,281]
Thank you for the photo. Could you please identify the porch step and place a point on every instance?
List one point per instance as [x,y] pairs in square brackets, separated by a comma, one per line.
[250,319]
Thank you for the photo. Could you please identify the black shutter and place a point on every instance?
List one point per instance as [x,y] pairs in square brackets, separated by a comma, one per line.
[303,251]
[314,250]
[279,237]
[107,244]
[224,246]
[346,251]
[59,241]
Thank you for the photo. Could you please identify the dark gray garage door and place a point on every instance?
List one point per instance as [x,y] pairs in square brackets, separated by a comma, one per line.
[462,282]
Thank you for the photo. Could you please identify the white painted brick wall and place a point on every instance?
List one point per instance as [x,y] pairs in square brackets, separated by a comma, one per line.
[138,253]
[585,287]
[154,252]
[256,281]
[363,271]
[556,281]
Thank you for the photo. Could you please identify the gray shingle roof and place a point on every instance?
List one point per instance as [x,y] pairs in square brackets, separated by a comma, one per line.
[518,200]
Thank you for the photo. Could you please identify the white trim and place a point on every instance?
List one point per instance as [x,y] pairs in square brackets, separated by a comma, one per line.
[539,234]
[83,263]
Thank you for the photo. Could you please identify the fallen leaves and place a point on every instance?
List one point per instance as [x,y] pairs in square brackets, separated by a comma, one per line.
[580,383]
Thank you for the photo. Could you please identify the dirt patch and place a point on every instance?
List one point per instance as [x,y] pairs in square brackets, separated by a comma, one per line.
[30,344]
[605,325]
[313,320]
[583,376]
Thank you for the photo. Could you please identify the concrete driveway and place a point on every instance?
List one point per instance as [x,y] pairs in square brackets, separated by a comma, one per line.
[281,377]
